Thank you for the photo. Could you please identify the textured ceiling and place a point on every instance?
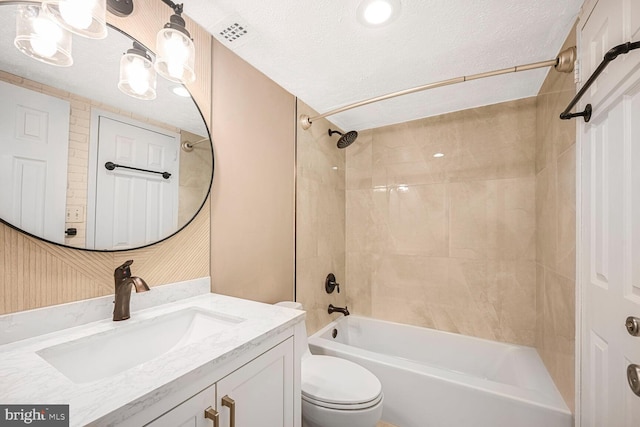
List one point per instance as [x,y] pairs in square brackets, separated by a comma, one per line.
[319,52]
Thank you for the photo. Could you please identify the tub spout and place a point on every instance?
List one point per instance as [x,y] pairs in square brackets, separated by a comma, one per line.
[333,309]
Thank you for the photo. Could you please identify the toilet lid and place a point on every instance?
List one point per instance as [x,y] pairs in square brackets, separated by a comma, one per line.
[338,381]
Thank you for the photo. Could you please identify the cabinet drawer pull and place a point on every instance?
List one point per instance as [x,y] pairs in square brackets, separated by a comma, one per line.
[231,404]
[212,414]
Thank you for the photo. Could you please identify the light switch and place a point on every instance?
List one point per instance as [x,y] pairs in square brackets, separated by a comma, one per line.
[75,213]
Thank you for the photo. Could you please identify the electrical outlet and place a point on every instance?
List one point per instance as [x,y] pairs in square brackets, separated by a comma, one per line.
[75,213]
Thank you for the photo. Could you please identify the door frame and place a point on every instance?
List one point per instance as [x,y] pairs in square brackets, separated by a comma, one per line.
[92,180]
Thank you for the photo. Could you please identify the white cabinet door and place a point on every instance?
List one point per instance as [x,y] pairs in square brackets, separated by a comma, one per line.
[262,391]
[190,413]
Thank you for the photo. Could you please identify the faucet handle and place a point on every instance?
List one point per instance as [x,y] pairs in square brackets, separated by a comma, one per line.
[330,283]
[124,270]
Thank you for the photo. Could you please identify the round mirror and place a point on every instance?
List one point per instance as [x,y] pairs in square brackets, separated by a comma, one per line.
[84,165]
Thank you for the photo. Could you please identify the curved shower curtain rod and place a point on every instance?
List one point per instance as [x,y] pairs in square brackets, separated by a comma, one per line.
[563,62]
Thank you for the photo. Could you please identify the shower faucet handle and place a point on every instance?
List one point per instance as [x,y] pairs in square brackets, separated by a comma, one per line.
[330,284]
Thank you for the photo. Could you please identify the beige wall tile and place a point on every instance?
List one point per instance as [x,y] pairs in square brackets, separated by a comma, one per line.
[493,219]
[558,346]
[539,342]
[320,221]
[357,286]
[555,236]
[447,242]
[359,162]
[414,219]
[546,217]
[566,214]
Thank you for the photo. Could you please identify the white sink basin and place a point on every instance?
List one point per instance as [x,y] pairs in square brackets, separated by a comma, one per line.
[109,353]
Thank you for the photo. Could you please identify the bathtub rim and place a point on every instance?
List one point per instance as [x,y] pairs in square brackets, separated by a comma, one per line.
[551,401]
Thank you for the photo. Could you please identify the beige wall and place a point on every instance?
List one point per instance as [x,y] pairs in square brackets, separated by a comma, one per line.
[446,243]
[35,274]
[555,233]
[252,221]
[320,220]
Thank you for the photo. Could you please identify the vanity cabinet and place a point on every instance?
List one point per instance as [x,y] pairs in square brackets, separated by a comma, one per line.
[260,393]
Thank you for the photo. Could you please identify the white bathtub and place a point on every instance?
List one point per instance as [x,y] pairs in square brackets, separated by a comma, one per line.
[438,379]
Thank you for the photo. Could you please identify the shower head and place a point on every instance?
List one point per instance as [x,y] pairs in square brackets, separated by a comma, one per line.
[346,139]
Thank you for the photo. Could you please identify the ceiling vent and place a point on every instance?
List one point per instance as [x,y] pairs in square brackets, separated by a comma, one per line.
[233,32]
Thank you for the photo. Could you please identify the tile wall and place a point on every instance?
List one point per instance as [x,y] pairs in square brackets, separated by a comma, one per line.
[320,220]
[556,228]
[446,242]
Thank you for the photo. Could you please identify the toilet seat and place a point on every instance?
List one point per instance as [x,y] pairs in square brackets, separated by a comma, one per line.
[342,406]
[335,383]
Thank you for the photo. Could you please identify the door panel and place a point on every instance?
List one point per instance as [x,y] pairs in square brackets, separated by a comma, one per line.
[602,31]
[34,146]
[133,207]
[609,232]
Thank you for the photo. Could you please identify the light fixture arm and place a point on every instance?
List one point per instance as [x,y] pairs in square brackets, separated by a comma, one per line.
[139,49]
[177,8]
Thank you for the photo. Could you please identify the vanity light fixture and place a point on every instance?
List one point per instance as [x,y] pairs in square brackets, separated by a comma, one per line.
[39,37]
[87,18]
[137,74]
[175,51]
[121,8]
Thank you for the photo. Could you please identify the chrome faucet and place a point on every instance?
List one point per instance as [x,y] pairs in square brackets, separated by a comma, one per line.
[333,309]
[124,280]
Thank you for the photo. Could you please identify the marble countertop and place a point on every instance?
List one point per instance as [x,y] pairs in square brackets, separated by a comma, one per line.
[26,378]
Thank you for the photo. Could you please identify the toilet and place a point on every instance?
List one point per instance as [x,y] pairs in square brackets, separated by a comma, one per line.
[337,392]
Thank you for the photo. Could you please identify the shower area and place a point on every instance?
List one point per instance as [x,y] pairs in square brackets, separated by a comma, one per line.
[463,222]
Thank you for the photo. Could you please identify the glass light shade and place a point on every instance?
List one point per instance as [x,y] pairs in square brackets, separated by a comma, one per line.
[86,18]
[137,76]
[175,56]
[39,37]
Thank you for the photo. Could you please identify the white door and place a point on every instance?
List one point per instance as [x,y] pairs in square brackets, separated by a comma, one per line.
[134,207]
[609,220]
[261,391]
[34,144]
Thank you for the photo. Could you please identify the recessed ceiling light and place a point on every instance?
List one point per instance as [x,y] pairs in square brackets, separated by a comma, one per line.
[374,13]
[438,155]
[180,91]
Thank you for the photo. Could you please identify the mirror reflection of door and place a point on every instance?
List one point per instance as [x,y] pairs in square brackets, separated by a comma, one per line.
[34,139]
[133,208]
